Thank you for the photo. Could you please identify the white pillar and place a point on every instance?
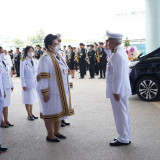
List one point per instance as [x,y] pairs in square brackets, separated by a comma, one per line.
[152,25]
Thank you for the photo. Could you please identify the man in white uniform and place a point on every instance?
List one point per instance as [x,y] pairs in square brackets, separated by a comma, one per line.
[2,93]
[118,88]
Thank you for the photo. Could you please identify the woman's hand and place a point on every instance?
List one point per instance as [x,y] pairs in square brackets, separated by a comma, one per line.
[24,88]
[46,98]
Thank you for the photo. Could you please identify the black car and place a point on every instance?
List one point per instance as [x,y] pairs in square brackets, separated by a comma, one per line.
[145,76]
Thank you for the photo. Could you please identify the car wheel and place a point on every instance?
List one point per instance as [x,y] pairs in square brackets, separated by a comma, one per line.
[148,88]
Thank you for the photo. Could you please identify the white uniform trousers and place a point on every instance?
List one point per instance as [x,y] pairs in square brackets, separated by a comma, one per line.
[121,117]
[1,110]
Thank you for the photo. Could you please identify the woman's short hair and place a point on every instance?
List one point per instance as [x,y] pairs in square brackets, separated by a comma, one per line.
[49,39]
[26,50]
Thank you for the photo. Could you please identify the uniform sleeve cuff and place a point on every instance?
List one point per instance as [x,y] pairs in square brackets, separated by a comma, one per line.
[43,75]
[45,92]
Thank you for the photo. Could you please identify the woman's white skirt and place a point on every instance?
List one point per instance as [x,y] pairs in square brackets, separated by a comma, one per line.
[29,96]
[53,106]
[7,100]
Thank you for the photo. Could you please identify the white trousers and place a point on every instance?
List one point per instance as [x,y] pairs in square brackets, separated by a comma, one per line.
[1,110]
[121,117]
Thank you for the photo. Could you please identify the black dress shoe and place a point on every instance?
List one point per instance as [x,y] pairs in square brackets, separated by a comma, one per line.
[30,118]
[3,149]
[34,117]
[10,125]
[52,140]
[60,136]
[115,139]
[5,126]
[117,143]
[100,78]
[65,123]
[81,78]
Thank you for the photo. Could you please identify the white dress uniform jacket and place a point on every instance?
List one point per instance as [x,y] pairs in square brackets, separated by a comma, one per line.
[2,91]
[117,82]
[117,74]
[8,82]
[63,54]
[8,61]
[28,73]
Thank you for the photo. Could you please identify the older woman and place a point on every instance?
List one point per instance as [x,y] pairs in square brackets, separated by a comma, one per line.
[28,72]
[53,89]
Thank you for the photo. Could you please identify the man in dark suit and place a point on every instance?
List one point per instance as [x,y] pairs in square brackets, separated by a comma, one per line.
[91,56]
[82,61]
[17,58]
[39,52]
[103,60]
[97,59]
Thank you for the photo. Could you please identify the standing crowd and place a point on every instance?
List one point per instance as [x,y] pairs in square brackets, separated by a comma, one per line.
[92,58]
[49,75]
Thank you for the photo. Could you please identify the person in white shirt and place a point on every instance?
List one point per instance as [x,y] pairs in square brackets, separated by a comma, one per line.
[7,65]
[28,73]
[2,93]
[118,88]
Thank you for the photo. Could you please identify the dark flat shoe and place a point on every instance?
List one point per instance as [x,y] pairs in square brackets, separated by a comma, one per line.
[6,126]
[10,125]
[52,140]
[60,136]
[66,123]
[30,118]
[3,149]
[115,139]
[117,143]
[63,125]
[35,117]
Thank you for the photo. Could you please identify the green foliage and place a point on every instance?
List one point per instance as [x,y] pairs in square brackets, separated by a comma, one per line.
[126,42]
[37,38]
[18,43]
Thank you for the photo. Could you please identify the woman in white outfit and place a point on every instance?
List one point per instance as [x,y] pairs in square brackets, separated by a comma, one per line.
[28,72]
[7,64]
[2,93]
[53,89]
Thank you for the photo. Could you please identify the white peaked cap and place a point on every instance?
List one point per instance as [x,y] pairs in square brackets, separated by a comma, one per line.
[114,35]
